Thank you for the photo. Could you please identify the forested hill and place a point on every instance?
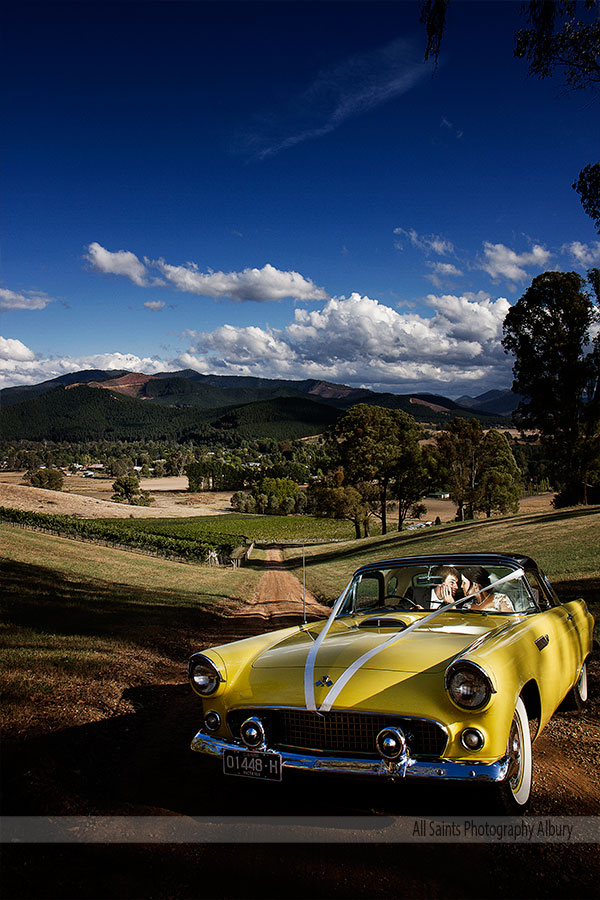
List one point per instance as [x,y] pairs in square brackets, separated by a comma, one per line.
[22,392]
[83,413]
[96,405]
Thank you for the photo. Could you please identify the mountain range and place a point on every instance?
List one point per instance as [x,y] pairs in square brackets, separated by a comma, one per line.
[118,405]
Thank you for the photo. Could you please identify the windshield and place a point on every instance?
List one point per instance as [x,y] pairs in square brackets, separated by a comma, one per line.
[478,588]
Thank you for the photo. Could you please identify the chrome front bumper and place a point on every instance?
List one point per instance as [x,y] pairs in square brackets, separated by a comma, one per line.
[441,769]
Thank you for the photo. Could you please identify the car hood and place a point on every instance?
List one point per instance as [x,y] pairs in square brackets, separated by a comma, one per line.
[428,648]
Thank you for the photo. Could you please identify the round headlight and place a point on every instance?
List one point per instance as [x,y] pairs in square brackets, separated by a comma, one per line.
[468,685]
[212,720]
[204,675]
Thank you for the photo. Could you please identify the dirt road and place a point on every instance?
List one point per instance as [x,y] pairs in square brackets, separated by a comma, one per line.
[279,595]
[139,764]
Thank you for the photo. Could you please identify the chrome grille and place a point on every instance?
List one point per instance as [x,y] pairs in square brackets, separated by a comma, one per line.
[340,732]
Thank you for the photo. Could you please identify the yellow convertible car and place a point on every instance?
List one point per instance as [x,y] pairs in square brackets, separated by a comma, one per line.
[434,667]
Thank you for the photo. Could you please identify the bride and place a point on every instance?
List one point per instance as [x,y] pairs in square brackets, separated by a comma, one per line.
[476,580]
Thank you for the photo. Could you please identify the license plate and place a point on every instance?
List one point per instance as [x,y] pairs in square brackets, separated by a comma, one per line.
[252,764]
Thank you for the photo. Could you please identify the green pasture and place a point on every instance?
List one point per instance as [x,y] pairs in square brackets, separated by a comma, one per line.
[241,526]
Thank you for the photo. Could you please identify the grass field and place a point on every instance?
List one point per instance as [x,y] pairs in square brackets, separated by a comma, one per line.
[87,622]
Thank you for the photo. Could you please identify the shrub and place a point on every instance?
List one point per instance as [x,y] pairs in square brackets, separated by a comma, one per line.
[51,479]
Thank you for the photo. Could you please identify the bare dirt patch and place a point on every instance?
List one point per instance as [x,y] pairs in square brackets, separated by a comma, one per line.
[90,498]
[95,503]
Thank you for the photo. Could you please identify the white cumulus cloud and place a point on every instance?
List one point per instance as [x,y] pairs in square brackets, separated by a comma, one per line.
[586,255]
[154,304]
[358,340]
[121,262]
[260,285]
[500,261]
[14,350]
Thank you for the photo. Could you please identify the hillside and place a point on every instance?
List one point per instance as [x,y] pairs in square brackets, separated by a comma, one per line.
[83,413]
[501,403]
[280,418]
[21,392]
[186,405]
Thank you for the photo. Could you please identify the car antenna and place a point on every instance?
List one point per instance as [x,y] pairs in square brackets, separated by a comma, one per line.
[303,587]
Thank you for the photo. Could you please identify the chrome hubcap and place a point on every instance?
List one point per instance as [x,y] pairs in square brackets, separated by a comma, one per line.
[514,750]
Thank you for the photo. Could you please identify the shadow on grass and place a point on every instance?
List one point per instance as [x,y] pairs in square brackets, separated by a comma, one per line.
[558,515]
[172,622]
[587,588]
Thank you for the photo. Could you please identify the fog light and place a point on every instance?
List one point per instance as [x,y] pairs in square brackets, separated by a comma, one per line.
[391,743]
[472,739]
[252,733]
[212,720]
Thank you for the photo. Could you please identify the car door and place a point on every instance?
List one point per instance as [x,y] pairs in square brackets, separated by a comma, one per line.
[556,634]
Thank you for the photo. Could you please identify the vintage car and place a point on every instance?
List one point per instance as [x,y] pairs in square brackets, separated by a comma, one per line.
[434,667]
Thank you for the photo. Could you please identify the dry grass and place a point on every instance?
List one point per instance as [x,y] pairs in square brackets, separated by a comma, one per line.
[87,560]
[48,680]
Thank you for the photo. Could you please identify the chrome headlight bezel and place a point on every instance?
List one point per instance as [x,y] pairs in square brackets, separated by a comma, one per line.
[469,687]
[203,674]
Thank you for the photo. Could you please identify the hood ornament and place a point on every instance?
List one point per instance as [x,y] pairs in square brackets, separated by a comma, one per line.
[324,681]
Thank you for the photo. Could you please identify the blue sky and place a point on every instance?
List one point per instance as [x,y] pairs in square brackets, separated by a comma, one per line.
[281,189]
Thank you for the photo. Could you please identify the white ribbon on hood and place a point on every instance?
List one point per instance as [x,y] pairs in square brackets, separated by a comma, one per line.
[309,667]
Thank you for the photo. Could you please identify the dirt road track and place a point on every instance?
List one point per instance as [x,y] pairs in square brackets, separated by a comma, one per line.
[279,595]
[140,764]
